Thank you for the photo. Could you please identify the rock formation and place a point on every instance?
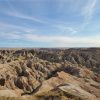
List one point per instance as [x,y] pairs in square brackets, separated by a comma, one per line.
[50,74]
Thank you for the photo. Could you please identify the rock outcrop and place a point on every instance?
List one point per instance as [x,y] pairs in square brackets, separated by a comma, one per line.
[58,74]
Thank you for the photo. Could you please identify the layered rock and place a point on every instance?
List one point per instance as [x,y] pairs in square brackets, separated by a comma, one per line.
[51,73]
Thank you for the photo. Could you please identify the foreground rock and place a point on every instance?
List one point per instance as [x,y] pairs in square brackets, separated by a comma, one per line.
[68,86]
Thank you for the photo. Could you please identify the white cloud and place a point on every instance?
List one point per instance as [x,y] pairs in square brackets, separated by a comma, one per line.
[63,29]
[89,9]
[24,28]
[14,35]
[66,29]
[12,11]
[61,39]
[54,40]
[24,16]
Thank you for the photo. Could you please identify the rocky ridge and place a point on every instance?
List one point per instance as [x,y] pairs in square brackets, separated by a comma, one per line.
[57,74]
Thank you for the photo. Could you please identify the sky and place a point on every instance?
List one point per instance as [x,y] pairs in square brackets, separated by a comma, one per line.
[49,23]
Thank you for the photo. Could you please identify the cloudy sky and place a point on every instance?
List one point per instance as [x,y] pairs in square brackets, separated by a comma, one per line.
[49,23]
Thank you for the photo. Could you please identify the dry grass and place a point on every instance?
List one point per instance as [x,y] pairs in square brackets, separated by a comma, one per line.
[34,98]
[10,98]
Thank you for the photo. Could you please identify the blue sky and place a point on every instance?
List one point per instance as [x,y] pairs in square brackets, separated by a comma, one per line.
[49,23]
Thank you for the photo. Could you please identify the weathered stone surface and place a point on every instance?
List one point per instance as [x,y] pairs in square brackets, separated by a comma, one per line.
[51,73]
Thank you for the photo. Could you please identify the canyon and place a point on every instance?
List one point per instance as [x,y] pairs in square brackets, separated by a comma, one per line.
[50,74]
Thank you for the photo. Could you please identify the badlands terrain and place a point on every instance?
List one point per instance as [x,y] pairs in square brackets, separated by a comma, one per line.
[50,74]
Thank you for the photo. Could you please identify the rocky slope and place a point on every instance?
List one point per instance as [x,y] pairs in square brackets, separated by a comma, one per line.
[50,74]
